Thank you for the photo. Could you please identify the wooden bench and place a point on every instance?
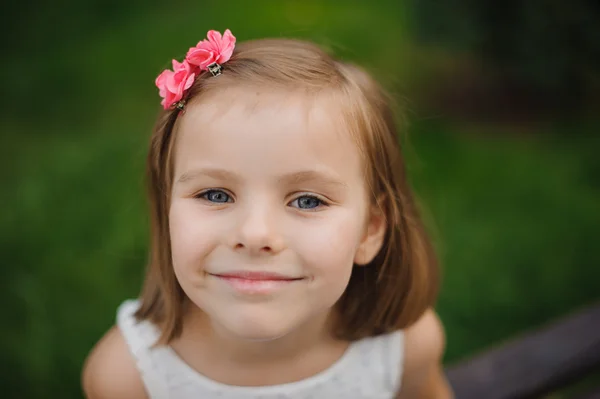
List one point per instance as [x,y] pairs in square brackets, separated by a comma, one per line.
[534,364]
[592,395]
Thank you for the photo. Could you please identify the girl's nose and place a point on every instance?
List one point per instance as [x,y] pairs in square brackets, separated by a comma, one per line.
[258,232]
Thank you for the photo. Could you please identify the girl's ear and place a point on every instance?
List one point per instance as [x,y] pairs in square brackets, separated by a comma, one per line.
[373,237]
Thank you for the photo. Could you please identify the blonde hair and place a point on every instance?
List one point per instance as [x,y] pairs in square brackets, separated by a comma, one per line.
[401,282]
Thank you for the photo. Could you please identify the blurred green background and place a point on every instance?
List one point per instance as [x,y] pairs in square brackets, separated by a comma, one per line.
[502,100]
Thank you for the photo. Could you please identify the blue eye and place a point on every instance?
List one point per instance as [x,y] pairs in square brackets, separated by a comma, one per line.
[216,196]
[307,202]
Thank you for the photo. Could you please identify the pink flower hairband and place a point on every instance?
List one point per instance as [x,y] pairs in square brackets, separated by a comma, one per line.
[208,55]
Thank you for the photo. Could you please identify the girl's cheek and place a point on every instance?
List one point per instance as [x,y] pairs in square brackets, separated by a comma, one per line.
[334,245]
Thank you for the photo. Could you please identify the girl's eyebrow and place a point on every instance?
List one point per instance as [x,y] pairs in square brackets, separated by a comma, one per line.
[218,174]
[305,176]
[312,176]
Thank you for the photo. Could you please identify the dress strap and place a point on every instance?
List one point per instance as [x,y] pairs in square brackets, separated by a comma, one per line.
[140,337]
[394,349]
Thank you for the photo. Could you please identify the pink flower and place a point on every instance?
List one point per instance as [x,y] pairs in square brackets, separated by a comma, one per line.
[216,49]
[172,84]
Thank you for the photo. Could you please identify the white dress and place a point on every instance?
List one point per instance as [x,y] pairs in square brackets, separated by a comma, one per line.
[370,368]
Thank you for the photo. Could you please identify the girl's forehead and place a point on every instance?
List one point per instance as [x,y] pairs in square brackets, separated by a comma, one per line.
[283,130]
[256,109]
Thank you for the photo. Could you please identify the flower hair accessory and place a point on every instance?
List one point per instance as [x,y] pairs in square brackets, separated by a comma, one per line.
[208,55]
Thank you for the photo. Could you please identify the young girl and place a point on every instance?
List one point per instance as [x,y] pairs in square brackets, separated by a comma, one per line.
[287,257]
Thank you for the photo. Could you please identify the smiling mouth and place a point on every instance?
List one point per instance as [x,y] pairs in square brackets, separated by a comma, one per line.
[256,282]
[256,276]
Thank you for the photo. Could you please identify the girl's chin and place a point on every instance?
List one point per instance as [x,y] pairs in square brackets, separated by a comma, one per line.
[256,332]
[261,338]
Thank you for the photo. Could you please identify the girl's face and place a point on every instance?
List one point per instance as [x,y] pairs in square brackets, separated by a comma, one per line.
[269,211]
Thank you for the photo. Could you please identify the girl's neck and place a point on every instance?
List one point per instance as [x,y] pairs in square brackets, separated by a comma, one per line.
[213,352]
[199,331]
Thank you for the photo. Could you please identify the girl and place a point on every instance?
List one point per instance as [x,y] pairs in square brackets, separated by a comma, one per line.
[287,257]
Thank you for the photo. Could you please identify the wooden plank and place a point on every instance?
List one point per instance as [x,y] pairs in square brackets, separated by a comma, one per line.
[591,395]
[534,364]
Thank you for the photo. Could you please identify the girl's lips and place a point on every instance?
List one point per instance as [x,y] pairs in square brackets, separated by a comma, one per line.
[256,276]
[256,283]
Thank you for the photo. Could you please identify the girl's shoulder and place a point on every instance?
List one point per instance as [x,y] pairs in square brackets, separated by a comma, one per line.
[123,363]
[110,370]
[424,340]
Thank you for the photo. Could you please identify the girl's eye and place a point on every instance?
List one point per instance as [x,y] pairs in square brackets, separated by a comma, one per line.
[216,196]
[307,202]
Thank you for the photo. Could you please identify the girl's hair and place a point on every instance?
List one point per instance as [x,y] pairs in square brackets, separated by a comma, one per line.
[401,282]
